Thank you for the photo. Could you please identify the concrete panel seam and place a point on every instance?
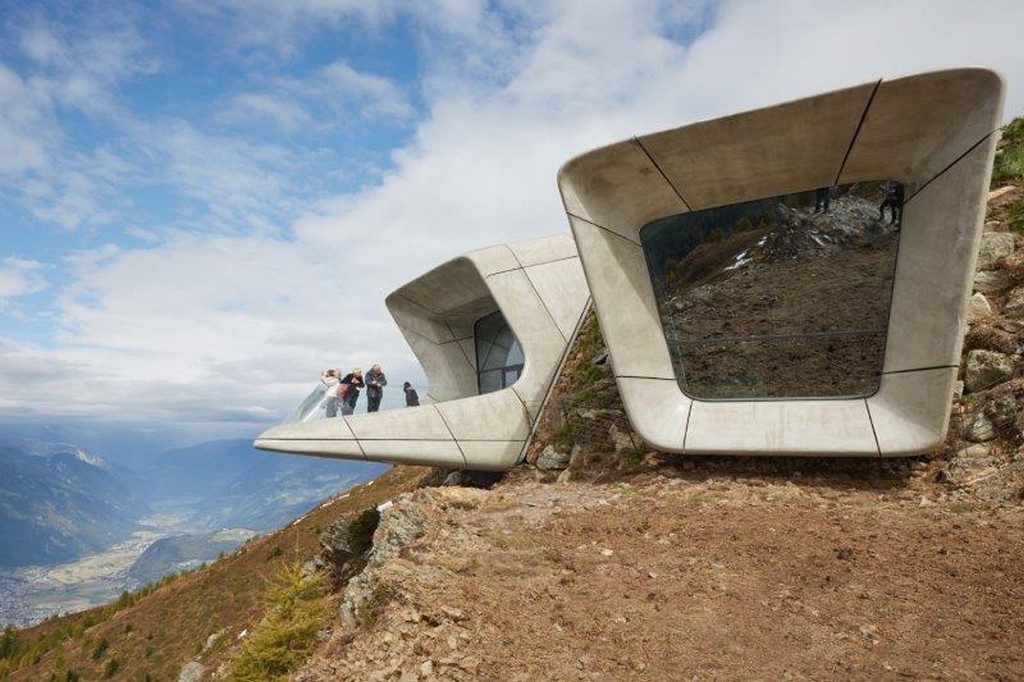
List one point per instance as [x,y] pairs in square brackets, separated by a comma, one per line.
[426,440]
[606,229]
[663,175]
[535,423]
[860,124]
[543,302]
[352,431]
[416,303]
[451,331]
[456,440]
[920,369]
[686,427]
[950,166]
[540,298]
[874,433]
[425,337]
[527,267]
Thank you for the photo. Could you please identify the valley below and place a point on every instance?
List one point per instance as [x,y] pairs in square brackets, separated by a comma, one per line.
[29,594]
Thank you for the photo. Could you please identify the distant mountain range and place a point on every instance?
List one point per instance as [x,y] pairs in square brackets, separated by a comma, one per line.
[228,484]
[182,552]
[58,502]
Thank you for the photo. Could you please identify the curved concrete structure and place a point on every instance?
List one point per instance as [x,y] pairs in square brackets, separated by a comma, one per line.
[539,288]
[934,133]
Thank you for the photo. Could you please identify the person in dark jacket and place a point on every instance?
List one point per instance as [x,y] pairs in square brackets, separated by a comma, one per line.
[412,399]
[350,384]
[893,199]
[375,383]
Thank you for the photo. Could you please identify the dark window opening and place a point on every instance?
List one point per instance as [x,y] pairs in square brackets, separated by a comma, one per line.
[499,357]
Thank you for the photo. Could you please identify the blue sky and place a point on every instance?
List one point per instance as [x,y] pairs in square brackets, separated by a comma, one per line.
[204,203]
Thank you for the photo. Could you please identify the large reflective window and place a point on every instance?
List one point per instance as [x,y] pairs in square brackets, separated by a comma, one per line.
[779,298]
[499,357]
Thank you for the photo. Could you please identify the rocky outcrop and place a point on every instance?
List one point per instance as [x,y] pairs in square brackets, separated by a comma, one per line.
[553,460]
[345,545]
[400,524]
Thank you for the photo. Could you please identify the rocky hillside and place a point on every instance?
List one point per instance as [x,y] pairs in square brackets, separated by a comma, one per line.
[603,559]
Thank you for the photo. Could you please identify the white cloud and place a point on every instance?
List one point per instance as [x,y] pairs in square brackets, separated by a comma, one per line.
[378,96]
[336,92]
[232,323]
[26,130]
[19,276]
[287,114]
[278,26]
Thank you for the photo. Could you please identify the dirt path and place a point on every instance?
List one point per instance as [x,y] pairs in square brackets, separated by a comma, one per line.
[679,579]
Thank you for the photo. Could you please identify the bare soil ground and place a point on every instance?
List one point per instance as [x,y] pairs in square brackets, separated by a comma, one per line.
[672,574]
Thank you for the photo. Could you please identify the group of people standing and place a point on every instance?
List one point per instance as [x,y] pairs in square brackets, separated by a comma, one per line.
[343,391]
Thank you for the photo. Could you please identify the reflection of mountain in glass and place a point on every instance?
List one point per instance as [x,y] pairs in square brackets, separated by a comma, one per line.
[776,298]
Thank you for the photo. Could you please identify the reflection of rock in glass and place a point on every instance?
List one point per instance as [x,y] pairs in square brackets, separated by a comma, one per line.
[821,197]
[773,299]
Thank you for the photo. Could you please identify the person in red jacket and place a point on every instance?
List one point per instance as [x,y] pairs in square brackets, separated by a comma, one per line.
[348,390]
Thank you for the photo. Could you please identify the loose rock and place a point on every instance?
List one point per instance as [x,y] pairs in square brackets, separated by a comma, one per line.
[980,429]
[551,459]
[979,308]
[1014,306]
[192,672]
[986,368]
[992,281]
[994,246]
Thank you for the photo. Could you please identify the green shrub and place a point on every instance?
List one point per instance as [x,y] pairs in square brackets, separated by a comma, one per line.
[1009,162]
[296,609]
[8,642]
[1015,217]
[100,649]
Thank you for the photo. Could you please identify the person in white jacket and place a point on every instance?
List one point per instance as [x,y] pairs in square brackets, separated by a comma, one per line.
[330,379]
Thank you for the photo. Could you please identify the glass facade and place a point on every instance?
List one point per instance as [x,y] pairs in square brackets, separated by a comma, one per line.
[499,357]
[785,297]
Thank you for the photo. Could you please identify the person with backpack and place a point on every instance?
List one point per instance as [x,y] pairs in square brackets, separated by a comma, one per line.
[412,399]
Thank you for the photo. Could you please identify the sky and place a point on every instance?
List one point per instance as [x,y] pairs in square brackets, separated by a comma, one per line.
[203,203]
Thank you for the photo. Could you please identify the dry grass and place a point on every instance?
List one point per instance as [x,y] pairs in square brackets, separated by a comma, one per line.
[159,632]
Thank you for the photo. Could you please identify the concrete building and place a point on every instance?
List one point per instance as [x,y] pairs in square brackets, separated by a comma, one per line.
[934,134]
[738,320]
[490,329]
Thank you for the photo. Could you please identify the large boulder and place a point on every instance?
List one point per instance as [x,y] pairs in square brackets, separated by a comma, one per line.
[992,281]
[986,368]
[994,246]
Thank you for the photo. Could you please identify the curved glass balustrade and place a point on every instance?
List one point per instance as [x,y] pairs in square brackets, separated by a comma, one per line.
[315,404]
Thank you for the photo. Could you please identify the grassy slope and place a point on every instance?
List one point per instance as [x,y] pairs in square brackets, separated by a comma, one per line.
[165,629]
